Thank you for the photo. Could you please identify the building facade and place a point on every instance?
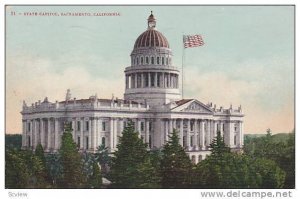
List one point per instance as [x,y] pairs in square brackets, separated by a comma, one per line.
[152,100]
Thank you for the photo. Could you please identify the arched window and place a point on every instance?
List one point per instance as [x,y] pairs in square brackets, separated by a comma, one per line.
[157,60]
[142,60]
[137,61]
[167,62]
[147,60]
[133,61]
[193,159]
[163,61]
[152,60]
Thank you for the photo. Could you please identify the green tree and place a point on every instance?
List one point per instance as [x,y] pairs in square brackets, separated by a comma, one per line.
[102,156]
[16,171]
[175,165]
[130,164]
[95,180]
[71,161]
[54,168]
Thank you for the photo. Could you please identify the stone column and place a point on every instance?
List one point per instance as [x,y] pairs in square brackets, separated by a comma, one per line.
[34,132]
[231,134]
[147,132]
[111,136]
[74,128]
[121,125]
[90,134]
[166,130]
[115,133]
[181,132]
[149,79]
[81,134]
[155,79]
[42,132]
[142,80]
[127,82]
[162,85]
[24,134]
[208,133]
[56,144]
[202,135]
[242,134]
[196,134]
[188,135]
[138,127]
[169,80]
[170,126]
[32,135]
[49,135]
[135,80]
[94,134]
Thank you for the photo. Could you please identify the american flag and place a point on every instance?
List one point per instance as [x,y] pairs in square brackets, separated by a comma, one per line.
[190,41]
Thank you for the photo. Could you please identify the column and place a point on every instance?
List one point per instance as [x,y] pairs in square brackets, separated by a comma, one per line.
[142,80]
[196,134]
[174,125]
[94,134]
[208,133]
[111,136]
[202,135]
[162,135]
[162,80]
[31,133]
[240,141]
[81,133]
[121,125]
[126,82]
[166,130]
[155,79]
[188,135]
[181,132]
[90,134]
[138,127]
[216,128]
[147,132]
[170,127]
[135,80]
[49,134]
[24,134]
[74,128]
[132,81]
[33,125]
[56,144]
[99,140]
[231,134]
[149,79]
[115,133]
[42,132]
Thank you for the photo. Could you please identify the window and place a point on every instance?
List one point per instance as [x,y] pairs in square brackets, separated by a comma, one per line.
[218,127]
[142,60]
[86,125]
[78,125]
[163,61]
[192,141]
[167,61]
[125,124]
[152,78]
[142,137]
[152,60]
[137,61]
[223,127]
[133,61]
[147,60]
[103,141]
[78,141]
[193,159]
[103,126]
[157,60]
[142,126]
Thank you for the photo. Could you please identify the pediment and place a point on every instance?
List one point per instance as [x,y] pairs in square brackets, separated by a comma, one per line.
[193,106]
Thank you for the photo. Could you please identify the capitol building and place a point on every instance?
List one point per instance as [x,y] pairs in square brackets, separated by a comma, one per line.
[152,100]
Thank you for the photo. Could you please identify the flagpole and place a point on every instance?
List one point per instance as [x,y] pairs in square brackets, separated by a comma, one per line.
[183,57]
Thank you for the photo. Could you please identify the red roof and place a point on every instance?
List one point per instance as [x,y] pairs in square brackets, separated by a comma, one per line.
[151,38]
[183,101]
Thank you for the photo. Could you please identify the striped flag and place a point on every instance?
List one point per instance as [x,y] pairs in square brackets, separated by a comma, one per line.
[190,41]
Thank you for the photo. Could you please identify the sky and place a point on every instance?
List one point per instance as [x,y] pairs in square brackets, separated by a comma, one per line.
[247,59]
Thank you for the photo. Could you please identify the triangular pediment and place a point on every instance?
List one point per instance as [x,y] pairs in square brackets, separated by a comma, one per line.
[193,106]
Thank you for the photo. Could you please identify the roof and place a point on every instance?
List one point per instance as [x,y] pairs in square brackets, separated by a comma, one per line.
[151,38]
[183,101]
[85,101]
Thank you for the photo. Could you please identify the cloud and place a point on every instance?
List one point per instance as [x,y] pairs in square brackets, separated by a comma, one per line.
[30,78]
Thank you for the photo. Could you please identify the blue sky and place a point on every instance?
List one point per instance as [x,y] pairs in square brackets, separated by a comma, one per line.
[247,59]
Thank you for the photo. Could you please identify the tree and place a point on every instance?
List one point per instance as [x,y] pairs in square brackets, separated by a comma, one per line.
[54,168]
[95,180]
[175,166]
[102,156]
[71,161]
[223,169]
[130,164]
